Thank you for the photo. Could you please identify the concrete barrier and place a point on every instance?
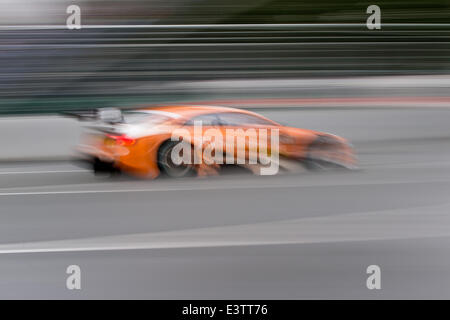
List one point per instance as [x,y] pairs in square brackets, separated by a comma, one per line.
[38,138]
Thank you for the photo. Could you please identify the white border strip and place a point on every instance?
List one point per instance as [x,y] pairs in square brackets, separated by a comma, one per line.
[217,26]
[209,187]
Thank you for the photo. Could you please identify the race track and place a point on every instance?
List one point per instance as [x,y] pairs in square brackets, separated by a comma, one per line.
[302,235]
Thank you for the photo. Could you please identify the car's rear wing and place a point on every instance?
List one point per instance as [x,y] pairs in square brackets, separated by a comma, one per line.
[106,120]
[105,115]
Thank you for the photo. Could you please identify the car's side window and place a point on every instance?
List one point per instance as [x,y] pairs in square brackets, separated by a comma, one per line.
[239,119]
[209,119]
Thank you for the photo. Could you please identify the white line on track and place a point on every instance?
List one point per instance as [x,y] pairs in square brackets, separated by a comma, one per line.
[408,223]
[209,187]
[188,188]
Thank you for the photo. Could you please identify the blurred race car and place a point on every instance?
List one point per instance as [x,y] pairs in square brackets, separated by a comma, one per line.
[143,142]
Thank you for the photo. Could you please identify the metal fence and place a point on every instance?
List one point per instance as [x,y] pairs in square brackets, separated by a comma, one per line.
[48,69]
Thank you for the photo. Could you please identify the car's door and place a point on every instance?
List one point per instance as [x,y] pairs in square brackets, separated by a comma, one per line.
[205,133]
[246,136]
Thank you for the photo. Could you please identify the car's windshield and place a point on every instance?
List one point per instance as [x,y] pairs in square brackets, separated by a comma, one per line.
[239,119]
[133,117]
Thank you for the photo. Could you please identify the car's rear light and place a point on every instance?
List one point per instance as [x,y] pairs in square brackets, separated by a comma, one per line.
[122,140]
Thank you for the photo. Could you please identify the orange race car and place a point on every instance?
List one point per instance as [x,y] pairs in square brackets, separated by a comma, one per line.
[186,140]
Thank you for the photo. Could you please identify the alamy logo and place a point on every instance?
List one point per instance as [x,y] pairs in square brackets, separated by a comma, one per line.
[74,20]
[238,146]
[374,20]
[374,280]
[73,281]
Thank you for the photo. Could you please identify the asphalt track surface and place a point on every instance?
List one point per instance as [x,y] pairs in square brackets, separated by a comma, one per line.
[302,235]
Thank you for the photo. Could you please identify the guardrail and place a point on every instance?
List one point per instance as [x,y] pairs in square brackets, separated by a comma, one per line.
[50,68]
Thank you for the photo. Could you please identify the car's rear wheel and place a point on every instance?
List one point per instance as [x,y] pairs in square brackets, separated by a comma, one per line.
[168,166]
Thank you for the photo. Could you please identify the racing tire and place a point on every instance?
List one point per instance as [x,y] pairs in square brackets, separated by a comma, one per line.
[167,166]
